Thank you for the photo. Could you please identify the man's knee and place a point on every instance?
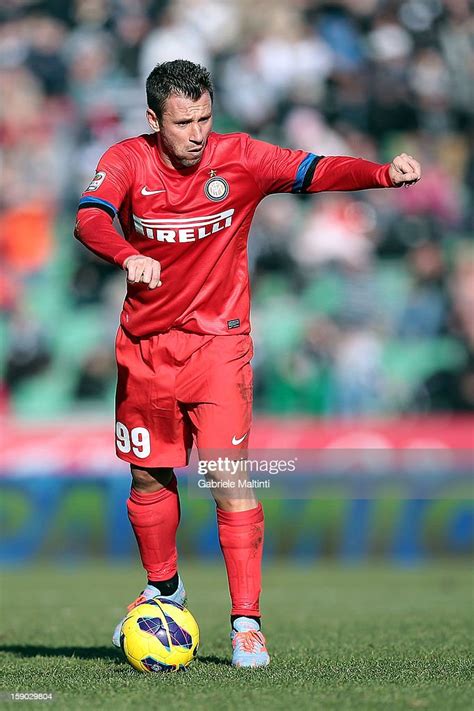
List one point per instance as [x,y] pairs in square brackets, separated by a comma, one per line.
[233,505]
[149,480]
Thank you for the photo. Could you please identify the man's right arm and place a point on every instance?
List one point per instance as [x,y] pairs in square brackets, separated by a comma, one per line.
[95,230]
[94,223]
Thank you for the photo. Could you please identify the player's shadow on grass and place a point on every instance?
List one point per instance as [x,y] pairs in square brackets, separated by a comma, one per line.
[25,650]
[211,659]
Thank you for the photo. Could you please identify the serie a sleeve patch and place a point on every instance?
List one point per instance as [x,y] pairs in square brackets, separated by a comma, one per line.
[96,181]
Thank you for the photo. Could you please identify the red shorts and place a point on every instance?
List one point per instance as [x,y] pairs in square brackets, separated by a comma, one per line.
[177,387]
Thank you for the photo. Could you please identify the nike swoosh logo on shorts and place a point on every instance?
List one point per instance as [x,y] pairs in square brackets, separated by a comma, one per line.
[238,441]
[145,191]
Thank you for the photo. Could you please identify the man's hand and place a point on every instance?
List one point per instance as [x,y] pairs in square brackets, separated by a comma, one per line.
[404,170]
[143,269]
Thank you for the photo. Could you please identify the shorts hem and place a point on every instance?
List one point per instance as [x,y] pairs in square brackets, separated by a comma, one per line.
[168,463]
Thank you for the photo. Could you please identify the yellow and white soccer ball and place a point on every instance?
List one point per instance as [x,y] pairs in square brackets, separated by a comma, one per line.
[159,636]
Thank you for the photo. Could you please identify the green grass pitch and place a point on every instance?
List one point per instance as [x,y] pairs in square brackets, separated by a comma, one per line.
[366,637]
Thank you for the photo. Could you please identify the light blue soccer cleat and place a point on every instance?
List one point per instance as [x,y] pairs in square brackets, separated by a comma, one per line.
[150,591]
[248,644]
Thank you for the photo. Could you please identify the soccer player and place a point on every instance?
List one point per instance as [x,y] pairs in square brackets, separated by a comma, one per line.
[185,197]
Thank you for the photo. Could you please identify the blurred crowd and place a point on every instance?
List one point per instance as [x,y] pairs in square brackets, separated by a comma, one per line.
[363,303]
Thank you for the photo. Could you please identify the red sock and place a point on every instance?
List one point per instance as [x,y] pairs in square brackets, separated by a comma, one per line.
[241,539]
[155,518]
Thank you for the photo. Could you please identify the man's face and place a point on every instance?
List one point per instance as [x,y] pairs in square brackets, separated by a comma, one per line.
[184,129]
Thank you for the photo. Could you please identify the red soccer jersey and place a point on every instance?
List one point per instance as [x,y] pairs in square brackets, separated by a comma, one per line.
[196,221]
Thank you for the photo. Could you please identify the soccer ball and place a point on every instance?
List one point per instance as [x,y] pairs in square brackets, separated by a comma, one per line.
[159,636]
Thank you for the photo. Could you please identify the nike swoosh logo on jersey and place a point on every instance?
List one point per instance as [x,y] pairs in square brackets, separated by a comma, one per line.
[145,191]
[238,441]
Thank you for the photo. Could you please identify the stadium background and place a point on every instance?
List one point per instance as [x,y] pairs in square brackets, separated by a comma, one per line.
[363,304]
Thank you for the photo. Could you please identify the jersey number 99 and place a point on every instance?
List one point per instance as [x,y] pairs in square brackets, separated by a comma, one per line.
[136,440]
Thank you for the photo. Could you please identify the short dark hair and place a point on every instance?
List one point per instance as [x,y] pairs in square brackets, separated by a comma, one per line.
[177,77]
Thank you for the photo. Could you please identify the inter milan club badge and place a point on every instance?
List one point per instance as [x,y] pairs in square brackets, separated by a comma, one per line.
[216,189]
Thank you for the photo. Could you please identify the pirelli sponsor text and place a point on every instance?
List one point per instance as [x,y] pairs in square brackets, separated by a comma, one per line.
[189,229]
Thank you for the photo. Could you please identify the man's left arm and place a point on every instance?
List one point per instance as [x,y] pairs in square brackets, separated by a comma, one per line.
[346,173]
[282,170]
